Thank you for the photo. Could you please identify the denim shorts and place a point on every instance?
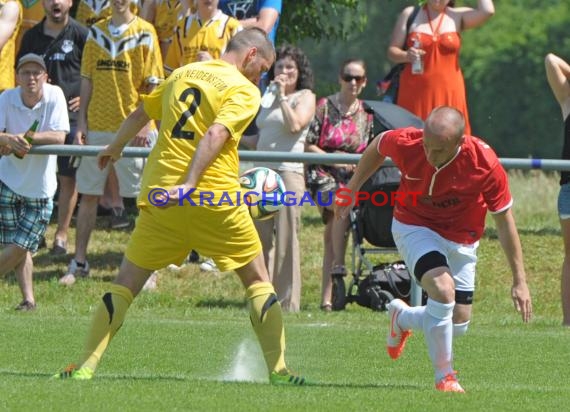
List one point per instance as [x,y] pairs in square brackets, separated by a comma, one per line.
[564,201]
[23,220]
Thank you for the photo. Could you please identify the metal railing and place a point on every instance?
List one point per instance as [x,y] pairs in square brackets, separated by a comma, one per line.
[317,158]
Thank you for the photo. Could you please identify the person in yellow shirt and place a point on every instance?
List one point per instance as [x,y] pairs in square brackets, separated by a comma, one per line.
[200,36]
[203,108]
[32,14]
[121,60]
[164,15]
[10,21]
[90,12]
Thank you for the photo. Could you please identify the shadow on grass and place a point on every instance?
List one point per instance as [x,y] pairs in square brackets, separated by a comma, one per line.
[108,262]
[160,377]
[221,303]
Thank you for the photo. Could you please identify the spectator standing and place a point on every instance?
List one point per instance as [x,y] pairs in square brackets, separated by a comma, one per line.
[226,101]
[458,178]
[263,14]
[283,127]
[32,14]
[10,21]
[121,60]
[200,36]
[164,15]
[28,183]
[90,12]
[60,40]
[434,42]
[341,125]
[558,76]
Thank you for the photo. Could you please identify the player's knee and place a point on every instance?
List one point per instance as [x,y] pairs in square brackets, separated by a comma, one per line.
[432,271]
[460,329]
[427,263]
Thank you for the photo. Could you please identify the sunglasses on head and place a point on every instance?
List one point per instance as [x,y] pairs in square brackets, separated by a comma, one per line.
[349,77]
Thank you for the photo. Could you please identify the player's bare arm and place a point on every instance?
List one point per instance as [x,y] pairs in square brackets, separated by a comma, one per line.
[129,128]
[370,161]
[208,149]
[510,242]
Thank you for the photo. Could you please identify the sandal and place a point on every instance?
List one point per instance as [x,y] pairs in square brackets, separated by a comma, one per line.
[59,248]
[338,270]
[326,307]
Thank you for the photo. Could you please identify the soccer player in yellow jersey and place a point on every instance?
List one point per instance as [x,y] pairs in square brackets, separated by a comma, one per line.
[90,12]
[200,36]
[10,20]
[121,59]
[203,108]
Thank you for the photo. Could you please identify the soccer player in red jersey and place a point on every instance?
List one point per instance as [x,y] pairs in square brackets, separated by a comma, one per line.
[459,178]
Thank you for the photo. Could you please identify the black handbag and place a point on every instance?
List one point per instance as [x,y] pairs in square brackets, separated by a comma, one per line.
[390,84]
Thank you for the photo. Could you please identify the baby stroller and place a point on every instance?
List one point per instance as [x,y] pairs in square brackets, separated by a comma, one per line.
[375,285]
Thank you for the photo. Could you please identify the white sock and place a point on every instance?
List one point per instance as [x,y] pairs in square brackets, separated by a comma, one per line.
[460,329]
[438,330]
[412,318]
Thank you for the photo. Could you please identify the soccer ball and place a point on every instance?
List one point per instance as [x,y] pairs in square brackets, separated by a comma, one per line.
[263,192]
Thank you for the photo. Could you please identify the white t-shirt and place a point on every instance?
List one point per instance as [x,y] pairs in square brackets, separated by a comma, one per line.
[35,175]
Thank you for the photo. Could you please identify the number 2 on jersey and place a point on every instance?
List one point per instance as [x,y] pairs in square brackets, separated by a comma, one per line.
[177,132]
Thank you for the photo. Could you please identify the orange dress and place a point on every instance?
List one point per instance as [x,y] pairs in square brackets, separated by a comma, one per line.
[442,81]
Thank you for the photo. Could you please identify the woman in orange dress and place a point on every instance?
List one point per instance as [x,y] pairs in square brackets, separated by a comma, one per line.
[434,41]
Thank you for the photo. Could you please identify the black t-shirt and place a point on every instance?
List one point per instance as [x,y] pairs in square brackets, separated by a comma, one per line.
[565,175]
[62,56]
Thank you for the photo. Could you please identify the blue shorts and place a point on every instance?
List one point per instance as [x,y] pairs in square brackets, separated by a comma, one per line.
[23,220]
[564,201]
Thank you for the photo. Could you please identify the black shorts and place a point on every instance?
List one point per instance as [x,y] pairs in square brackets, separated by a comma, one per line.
[64,167]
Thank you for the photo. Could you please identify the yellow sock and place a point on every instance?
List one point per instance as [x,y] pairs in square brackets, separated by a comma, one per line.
[267,321]
[107,320]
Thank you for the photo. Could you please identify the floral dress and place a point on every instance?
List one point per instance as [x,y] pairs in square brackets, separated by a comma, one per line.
[336,133]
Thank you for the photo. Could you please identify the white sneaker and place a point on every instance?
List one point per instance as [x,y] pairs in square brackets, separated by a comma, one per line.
[74,271]
[151,281]
[208,265]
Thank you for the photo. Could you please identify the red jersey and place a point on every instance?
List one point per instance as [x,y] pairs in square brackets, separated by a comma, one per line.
[453,199]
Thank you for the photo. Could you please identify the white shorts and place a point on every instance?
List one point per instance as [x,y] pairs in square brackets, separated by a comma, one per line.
[413,242]
[91,180]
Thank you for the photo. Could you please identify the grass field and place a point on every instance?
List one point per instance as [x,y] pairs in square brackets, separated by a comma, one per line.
[189,345]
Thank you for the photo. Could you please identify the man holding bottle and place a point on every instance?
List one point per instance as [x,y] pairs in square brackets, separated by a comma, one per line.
[28,182]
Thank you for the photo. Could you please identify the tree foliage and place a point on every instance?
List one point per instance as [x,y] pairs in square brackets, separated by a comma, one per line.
[320,19]
[510,103]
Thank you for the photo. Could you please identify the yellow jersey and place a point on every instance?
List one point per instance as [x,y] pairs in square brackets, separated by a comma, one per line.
[33,13]
[166,16]
[193,98]
[8,54]
[192,35]
[121,63]
[90,12]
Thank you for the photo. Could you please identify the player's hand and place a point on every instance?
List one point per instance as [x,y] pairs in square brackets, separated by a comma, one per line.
[522,300]
[109,153]
[73,104]
[176,195]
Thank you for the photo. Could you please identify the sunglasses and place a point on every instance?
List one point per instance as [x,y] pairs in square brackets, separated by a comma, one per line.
[348,78]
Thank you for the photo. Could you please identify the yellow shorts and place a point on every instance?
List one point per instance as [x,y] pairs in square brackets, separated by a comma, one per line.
[167,235]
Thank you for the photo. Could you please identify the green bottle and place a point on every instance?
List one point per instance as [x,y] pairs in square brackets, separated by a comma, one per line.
[29,136]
